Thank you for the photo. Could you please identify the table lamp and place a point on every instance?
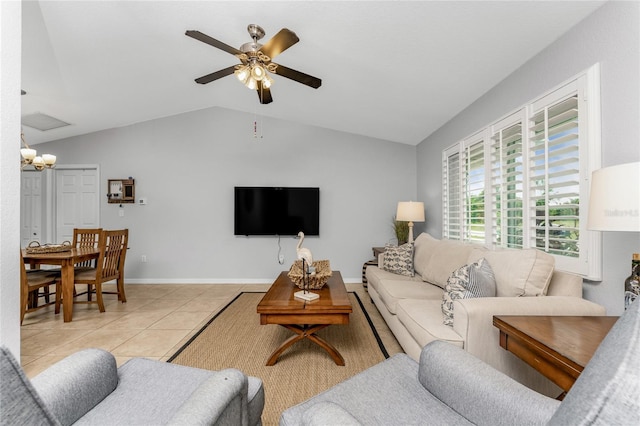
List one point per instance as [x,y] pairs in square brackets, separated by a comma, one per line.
[614,201]
[410,211]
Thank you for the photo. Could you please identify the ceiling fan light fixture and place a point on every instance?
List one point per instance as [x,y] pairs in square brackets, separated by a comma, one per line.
[242,74]
[256,66]
[257,72]
[267,81]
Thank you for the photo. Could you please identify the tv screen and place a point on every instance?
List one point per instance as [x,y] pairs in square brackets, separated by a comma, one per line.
[276,211]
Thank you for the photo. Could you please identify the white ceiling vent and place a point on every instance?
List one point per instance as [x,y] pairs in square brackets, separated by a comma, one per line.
[43,121]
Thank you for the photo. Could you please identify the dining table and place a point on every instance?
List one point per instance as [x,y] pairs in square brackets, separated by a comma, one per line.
[67,261]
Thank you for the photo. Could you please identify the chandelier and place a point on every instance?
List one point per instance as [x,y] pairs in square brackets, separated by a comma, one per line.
[31,158]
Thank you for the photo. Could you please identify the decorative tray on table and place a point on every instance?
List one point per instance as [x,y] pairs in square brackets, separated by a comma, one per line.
[36,247]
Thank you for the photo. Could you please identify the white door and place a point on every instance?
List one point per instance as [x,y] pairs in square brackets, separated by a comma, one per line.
[77,201]
[31,205]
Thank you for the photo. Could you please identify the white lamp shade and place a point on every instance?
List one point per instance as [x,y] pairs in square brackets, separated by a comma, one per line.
[410,211]
[614,201]
[28,153]
[49,159]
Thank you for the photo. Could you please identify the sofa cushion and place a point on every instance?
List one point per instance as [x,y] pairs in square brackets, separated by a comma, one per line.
[435,259]
[398,259]
[525,272]
[391,291]
[423,320]
[468,281]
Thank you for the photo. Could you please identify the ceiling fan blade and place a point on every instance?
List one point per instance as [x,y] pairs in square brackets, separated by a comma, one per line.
[215,75]
[213,42]
[298,76]
[264,94]
[279,43]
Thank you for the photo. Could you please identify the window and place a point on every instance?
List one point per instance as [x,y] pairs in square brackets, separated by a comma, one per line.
[507,183]
[473,190]
[519,182]
[451,195]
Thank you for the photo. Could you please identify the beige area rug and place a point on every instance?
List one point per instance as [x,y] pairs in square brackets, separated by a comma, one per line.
[234,338]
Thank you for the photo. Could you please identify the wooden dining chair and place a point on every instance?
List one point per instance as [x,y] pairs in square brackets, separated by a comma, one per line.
[109,267]
[119,238]
[30,284]
[86,237]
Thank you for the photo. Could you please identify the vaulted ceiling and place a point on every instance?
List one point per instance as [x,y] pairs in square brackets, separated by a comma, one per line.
[391,70]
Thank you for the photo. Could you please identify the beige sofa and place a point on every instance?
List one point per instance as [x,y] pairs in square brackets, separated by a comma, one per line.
[526,284]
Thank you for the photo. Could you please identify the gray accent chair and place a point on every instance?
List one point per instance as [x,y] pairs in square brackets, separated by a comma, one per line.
[88,388]
[450,386]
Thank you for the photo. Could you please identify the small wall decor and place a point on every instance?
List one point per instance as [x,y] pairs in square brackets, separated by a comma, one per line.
[121,191]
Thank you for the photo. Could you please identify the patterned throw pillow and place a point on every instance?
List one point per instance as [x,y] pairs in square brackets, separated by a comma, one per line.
[398,259]
[474,280]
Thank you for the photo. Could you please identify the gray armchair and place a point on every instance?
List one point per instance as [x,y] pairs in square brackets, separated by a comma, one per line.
[450,386]
[88,388]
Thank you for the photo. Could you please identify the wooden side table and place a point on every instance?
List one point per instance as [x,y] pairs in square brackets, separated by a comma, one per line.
[376,252]
[559,347]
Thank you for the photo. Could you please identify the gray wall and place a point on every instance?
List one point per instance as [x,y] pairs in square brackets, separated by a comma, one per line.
[610,36]
[187,165]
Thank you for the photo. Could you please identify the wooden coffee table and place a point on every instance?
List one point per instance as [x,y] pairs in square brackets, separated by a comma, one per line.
[305,319]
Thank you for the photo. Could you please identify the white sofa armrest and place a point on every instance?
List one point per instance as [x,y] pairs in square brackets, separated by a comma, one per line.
[565,284]
[473,320]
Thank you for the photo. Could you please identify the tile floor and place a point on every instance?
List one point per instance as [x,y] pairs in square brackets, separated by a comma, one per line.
[154,323]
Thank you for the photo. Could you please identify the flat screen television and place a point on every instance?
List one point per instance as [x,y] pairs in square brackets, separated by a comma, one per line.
[276,210]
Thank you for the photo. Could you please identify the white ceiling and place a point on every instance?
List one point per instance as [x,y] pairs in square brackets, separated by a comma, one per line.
[391,70]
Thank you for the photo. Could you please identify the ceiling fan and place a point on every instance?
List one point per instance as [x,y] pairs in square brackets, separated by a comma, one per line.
[256,61]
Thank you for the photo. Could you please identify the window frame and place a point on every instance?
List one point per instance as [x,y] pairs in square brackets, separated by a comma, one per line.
[586,86]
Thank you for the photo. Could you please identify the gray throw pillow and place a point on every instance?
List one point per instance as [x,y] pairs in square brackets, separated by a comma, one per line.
[468,281]
[398,259]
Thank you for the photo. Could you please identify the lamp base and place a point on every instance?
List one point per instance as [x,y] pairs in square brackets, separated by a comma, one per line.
[306,295]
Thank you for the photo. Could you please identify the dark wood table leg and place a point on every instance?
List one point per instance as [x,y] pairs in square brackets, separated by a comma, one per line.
[306,332]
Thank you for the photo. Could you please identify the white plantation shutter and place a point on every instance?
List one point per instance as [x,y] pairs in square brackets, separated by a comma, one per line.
[473,191]
[451,194]
[554,178]
[507,182]
[519,183]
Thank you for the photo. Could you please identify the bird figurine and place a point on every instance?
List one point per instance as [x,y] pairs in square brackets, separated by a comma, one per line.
[304,254]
